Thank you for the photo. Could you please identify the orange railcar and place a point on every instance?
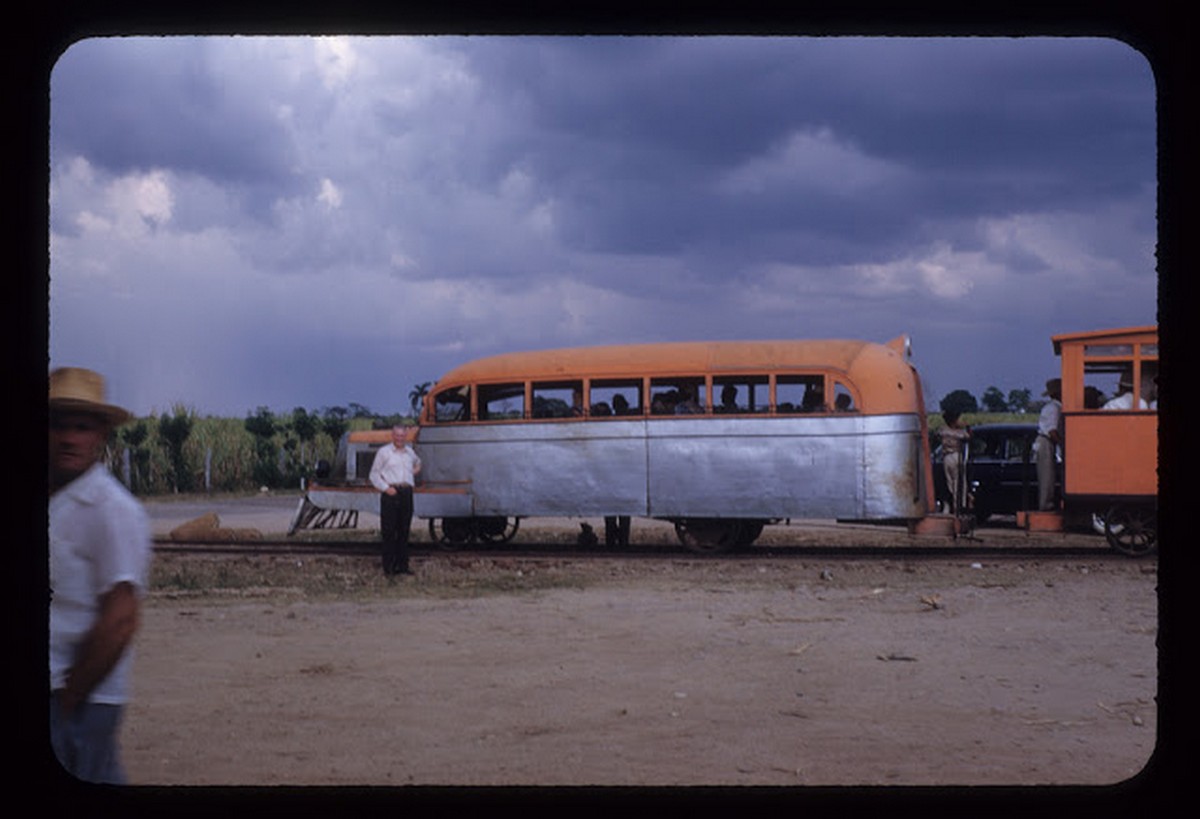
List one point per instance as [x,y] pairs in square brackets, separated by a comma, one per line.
[1110,413]
[719,438]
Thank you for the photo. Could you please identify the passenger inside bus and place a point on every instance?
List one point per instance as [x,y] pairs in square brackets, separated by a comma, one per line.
[687,404]
[663,403]
[1148,398]
[814,399]
[728,399]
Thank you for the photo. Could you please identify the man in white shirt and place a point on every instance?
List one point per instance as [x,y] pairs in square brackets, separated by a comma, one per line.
[99,565]
[1049,438]
[393,473]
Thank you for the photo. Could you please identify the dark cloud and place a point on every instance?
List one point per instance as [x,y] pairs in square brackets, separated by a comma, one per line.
[144,103]
[515,192]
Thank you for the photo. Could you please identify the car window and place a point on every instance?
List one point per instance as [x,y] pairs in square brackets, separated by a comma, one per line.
[986,446]
[1016,446]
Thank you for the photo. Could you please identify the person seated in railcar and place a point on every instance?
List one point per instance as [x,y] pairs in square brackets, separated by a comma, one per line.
[663,403]
[687,404]
[814,399]
[1147,398]
[728,399]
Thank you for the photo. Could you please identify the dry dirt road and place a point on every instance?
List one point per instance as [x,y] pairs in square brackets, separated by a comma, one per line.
[829,671]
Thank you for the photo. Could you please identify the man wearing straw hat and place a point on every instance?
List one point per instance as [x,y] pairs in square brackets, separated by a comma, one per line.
[99,563]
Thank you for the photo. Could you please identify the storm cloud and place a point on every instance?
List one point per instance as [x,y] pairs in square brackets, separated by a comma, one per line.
[312,221]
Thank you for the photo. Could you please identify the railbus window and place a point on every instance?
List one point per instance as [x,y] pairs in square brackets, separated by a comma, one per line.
[677,396]
[616,397]
[502,402]
[741,394]
[558,399]
[452,405]
[800,393]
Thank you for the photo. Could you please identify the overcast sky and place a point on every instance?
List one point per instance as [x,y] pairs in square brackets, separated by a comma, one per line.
[283,222]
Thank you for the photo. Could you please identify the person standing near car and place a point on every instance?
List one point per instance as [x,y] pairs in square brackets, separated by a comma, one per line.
[954,437]
[1049,438]
[393,473]
[99,566]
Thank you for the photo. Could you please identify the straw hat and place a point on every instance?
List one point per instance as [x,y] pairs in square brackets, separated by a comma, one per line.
[74,389]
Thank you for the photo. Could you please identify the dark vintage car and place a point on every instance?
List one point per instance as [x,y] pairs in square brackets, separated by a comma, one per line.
[1001,471]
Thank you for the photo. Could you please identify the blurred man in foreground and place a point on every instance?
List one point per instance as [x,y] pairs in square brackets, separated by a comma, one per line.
[99,565]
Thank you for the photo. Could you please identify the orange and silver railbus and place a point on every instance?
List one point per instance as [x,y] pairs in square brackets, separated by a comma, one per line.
[718,438]
[1110,449]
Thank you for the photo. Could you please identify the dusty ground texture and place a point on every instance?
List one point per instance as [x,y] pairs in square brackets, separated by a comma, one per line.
[676,671]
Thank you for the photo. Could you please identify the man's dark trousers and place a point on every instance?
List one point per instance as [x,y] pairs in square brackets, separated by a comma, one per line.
[395,513]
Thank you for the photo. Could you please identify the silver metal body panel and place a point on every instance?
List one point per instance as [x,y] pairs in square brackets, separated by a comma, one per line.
[357,499]
[841,466]
[426,503]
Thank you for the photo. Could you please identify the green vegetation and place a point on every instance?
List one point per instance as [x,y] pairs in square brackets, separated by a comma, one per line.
[179,452]
[973,419]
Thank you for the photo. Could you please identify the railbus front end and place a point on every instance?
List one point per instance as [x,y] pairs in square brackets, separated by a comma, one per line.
[718,438]
[1110,414]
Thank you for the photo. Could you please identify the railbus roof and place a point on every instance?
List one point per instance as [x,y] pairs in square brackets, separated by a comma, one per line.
[872,366]
[667,358]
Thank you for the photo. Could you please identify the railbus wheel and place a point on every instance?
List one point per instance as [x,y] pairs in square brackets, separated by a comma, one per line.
[708,535]
[751,529]
[496,529]
[1131,529]
[451,533]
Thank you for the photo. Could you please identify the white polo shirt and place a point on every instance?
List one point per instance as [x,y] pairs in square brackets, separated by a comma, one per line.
[99,537]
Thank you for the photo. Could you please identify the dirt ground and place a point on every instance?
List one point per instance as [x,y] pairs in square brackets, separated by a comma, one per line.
[829,670]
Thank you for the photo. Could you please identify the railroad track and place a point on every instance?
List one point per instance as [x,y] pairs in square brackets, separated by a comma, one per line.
[949,549]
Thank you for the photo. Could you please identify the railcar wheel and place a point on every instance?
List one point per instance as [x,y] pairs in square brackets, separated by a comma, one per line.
[496,529]
[708,535]
[751,529]
[1131,530]
[451,533]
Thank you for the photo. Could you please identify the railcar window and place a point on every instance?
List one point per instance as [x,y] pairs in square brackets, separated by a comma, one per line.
[677,396]
[501,402]
[612,398]
[1108,350]
[558,399]
[452,405]
[800,393]
[741,394]
[1109,384]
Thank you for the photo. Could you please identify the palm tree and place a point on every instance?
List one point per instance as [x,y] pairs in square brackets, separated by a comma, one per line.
[417,394]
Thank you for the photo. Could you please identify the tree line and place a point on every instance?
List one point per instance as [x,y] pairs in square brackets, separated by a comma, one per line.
[179,451]
[993,400]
